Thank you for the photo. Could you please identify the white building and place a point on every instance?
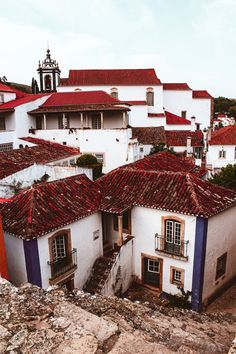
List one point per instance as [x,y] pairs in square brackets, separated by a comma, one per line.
[58,233]
[221,148]
[14,119]
[93,121]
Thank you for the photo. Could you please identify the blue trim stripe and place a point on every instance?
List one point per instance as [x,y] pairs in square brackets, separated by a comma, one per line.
[199,262]
[32,262]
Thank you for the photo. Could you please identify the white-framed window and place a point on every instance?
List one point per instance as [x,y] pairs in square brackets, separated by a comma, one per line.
[96,121]
[59,247]
[176,276]
[222,154]
[150,96]
[173,232]
[100,158]
[153,266]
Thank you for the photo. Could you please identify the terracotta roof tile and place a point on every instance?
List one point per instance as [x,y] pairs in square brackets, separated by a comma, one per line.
[176,86]
[149,135]
[174,192]
[224,136]
[16,160]
[19,101]
[174,119]
[111,77]
[48,206]
[156,115]
[201,94]
[179,137]
[167,161]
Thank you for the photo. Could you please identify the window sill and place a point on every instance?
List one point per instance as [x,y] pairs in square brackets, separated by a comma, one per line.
[170,255]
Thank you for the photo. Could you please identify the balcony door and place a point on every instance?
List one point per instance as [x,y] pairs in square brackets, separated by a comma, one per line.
[96,121]
[173,237]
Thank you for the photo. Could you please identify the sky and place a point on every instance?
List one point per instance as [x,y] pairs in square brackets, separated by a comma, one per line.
[189,41]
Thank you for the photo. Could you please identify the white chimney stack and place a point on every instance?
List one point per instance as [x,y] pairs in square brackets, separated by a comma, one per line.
[189,146]
[193,124]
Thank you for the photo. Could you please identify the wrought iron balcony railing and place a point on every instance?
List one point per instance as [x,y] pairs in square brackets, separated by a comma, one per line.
[63,265]
[171,248]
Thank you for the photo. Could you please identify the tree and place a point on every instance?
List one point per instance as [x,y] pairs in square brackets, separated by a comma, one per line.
[226,177]
[161,147]
[3,79]
[225,105]
[90,161]
[34,86]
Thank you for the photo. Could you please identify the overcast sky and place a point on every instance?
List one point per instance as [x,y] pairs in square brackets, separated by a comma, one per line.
[191,41]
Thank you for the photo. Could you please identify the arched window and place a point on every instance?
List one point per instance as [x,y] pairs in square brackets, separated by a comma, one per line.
[114,92]
[47,82]
[150,96]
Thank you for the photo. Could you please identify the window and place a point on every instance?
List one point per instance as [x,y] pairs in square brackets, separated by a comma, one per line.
[39,122]
[59,247]
[153,266]
[222,154]
[96,121]
[126,222]
[100,158]
[2,123]
[47,82]
[95,235]
[221,265]
[150,96]
[63,122]
[114,92]
[6,147]
[183,114]
[172,241]
[1,98]
[141,149]
[177,276]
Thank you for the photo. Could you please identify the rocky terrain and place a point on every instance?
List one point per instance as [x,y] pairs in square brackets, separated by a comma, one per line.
[36,321]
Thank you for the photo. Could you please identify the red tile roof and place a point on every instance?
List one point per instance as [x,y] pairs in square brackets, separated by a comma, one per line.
[80,101]
[201,94]
[10,106]
[174,119]
[179,137]
[6,88]
[156,115]
[166,161]
[149,135]
[174,192]
[46,207]
[16,160]
[111,77]
[224,136]
[176,86]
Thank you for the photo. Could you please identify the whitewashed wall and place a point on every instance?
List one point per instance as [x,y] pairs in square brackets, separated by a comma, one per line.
[125,93]
[8,96]
[15,259]
[212,156]
[88,250]
[27,176]
[145,224]
[176,101]
[221,238]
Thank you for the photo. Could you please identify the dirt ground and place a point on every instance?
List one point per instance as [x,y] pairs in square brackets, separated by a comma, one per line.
[225,303]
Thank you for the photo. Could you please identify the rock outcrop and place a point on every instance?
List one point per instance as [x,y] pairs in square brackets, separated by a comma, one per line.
[36,321]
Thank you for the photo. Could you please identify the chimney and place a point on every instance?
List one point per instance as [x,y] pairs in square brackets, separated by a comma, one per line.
[189,146]
[209,134]
[205,140]
[193,124]
[3,258]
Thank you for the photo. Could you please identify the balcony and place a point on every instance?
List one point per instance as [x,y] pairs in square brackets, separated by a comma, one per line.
[171,248]
[63,265]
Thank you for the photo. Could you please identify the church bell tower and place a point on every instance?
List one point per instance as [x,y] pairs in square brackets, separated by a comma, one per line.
[49,74]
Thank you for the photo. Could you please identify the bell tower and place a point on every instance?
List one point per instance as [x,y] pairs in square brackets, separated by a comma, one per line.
[49,74]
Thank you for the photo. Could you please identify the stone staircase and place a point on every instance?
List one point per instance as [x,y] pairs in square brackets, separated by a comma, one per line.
[101,270]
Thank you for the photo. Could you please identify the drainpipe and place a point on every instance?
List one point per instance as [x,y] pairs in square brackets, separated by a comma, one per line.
[3,257]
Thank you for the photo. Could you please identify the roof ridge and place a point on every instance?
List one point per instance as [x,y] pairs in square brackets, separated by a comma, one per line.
[194,197]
